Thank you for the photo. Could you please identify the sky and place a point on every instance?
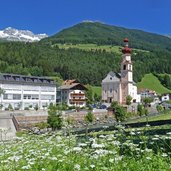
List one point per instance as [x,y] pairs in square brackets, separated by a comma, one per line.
[51,16]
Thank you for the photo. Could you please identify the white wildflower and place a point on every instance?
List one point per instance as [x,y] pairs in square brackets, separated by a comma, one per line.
[92,166]
[77,149]
[111,160]
[97,145]
[77,167]
[164,155]
[53,158]
[148,158]
[26,167]
[82,144]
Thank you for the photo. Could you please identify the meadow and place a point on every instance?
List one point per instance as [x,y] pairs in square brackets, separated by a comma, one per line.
[95,47]
[151,82]
[115,150]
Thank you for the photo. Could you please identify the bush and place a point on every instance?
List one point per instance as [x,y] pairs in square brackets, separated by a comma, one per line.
[26,108]
[55,117]
[10,107]
[159,108]
[42,125]
[89,117]
[36,107]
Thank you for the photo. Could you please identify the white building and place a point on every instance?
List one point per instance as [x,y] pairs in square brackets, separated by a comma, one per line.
[23,92]
[165,98]
[116,87]
[72,93]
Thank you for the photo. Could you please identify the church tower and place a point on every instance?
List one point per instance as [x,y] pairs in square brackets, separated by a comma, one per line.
[126,72]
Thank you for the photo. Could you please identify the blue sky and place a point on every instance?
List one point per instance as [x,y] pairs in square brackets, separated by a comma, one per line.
[51,16]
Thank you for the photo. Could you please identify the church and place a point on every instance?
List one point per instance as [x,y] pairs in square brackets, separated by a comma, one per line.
[117,86]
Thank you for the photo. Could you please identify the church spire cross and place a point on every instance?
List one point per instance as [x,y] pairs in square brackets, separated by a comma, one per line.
[126,49]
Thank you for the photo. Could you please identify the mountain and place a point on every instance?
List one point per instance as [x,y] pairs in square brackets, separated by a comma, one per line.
[99,33]
[46,58]
[168,35]
[12,34]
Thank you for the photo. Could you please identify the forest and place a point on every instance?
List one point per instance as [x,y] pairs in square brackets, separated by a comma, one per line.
[88,67]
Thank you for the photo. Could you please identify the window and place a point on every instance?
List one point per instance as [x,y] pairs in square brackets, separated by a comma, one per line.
[5,96]
[35,97]
[28,79]
[27,96]
[130,67]
[8,96]
[45,81]
[111,90]
[110,78]
[17,96]
[47,97]
[17,78]
[124,67]
[35,80]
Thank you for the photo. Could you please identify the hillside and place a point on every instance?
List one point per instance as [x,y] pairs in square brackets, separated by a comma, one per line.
[94,47]
[98,33]
[151,82]
[88,63]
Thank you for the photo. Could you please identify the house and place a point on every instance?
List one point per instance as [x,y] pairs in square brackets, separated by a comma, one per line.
[72,93]
[147,93]
[165,97]
[23,92]
[116,87]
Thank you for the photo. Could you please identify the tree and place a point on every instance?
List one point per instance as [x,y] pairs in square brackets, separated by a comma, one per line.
[89,117]
[159,108]
[10,107]
[36,107]
[147,101]
[167,81]
[89,95]
[146,114]
[140,109]
[54,117]
[2,92]
[128,99]
[97,98]
[119,111]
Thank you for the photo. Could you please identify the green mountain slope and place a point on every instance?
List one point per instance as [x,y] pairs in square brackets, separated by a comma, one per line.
[151,82]
[88,63]
[98,33]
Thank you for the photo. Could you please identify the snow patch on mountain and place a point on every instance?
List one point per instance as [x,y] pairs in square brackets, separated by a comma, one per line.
[12,34]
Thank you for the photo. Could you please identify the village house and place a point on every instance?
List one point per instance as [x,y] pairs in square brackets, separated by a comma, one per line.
[72,93]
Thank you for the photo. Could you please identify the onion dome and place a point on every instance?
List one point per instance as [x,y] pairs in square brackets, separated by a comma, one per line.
[126,40]
[126,49]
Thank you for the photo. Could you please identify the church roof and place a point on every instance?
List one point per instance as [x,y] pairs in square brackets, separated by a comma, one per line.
[112,77]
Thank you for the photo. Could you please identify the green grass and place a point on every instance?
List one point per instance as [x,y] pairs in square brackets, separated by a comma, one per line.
[89,47]
[164,116]
[151,82]
[133,150]
[94,47]
[97,90]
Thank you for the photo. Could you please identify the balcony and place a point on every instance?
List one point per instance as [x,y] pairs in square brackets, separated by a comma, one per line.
[77,100]
[77,94]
